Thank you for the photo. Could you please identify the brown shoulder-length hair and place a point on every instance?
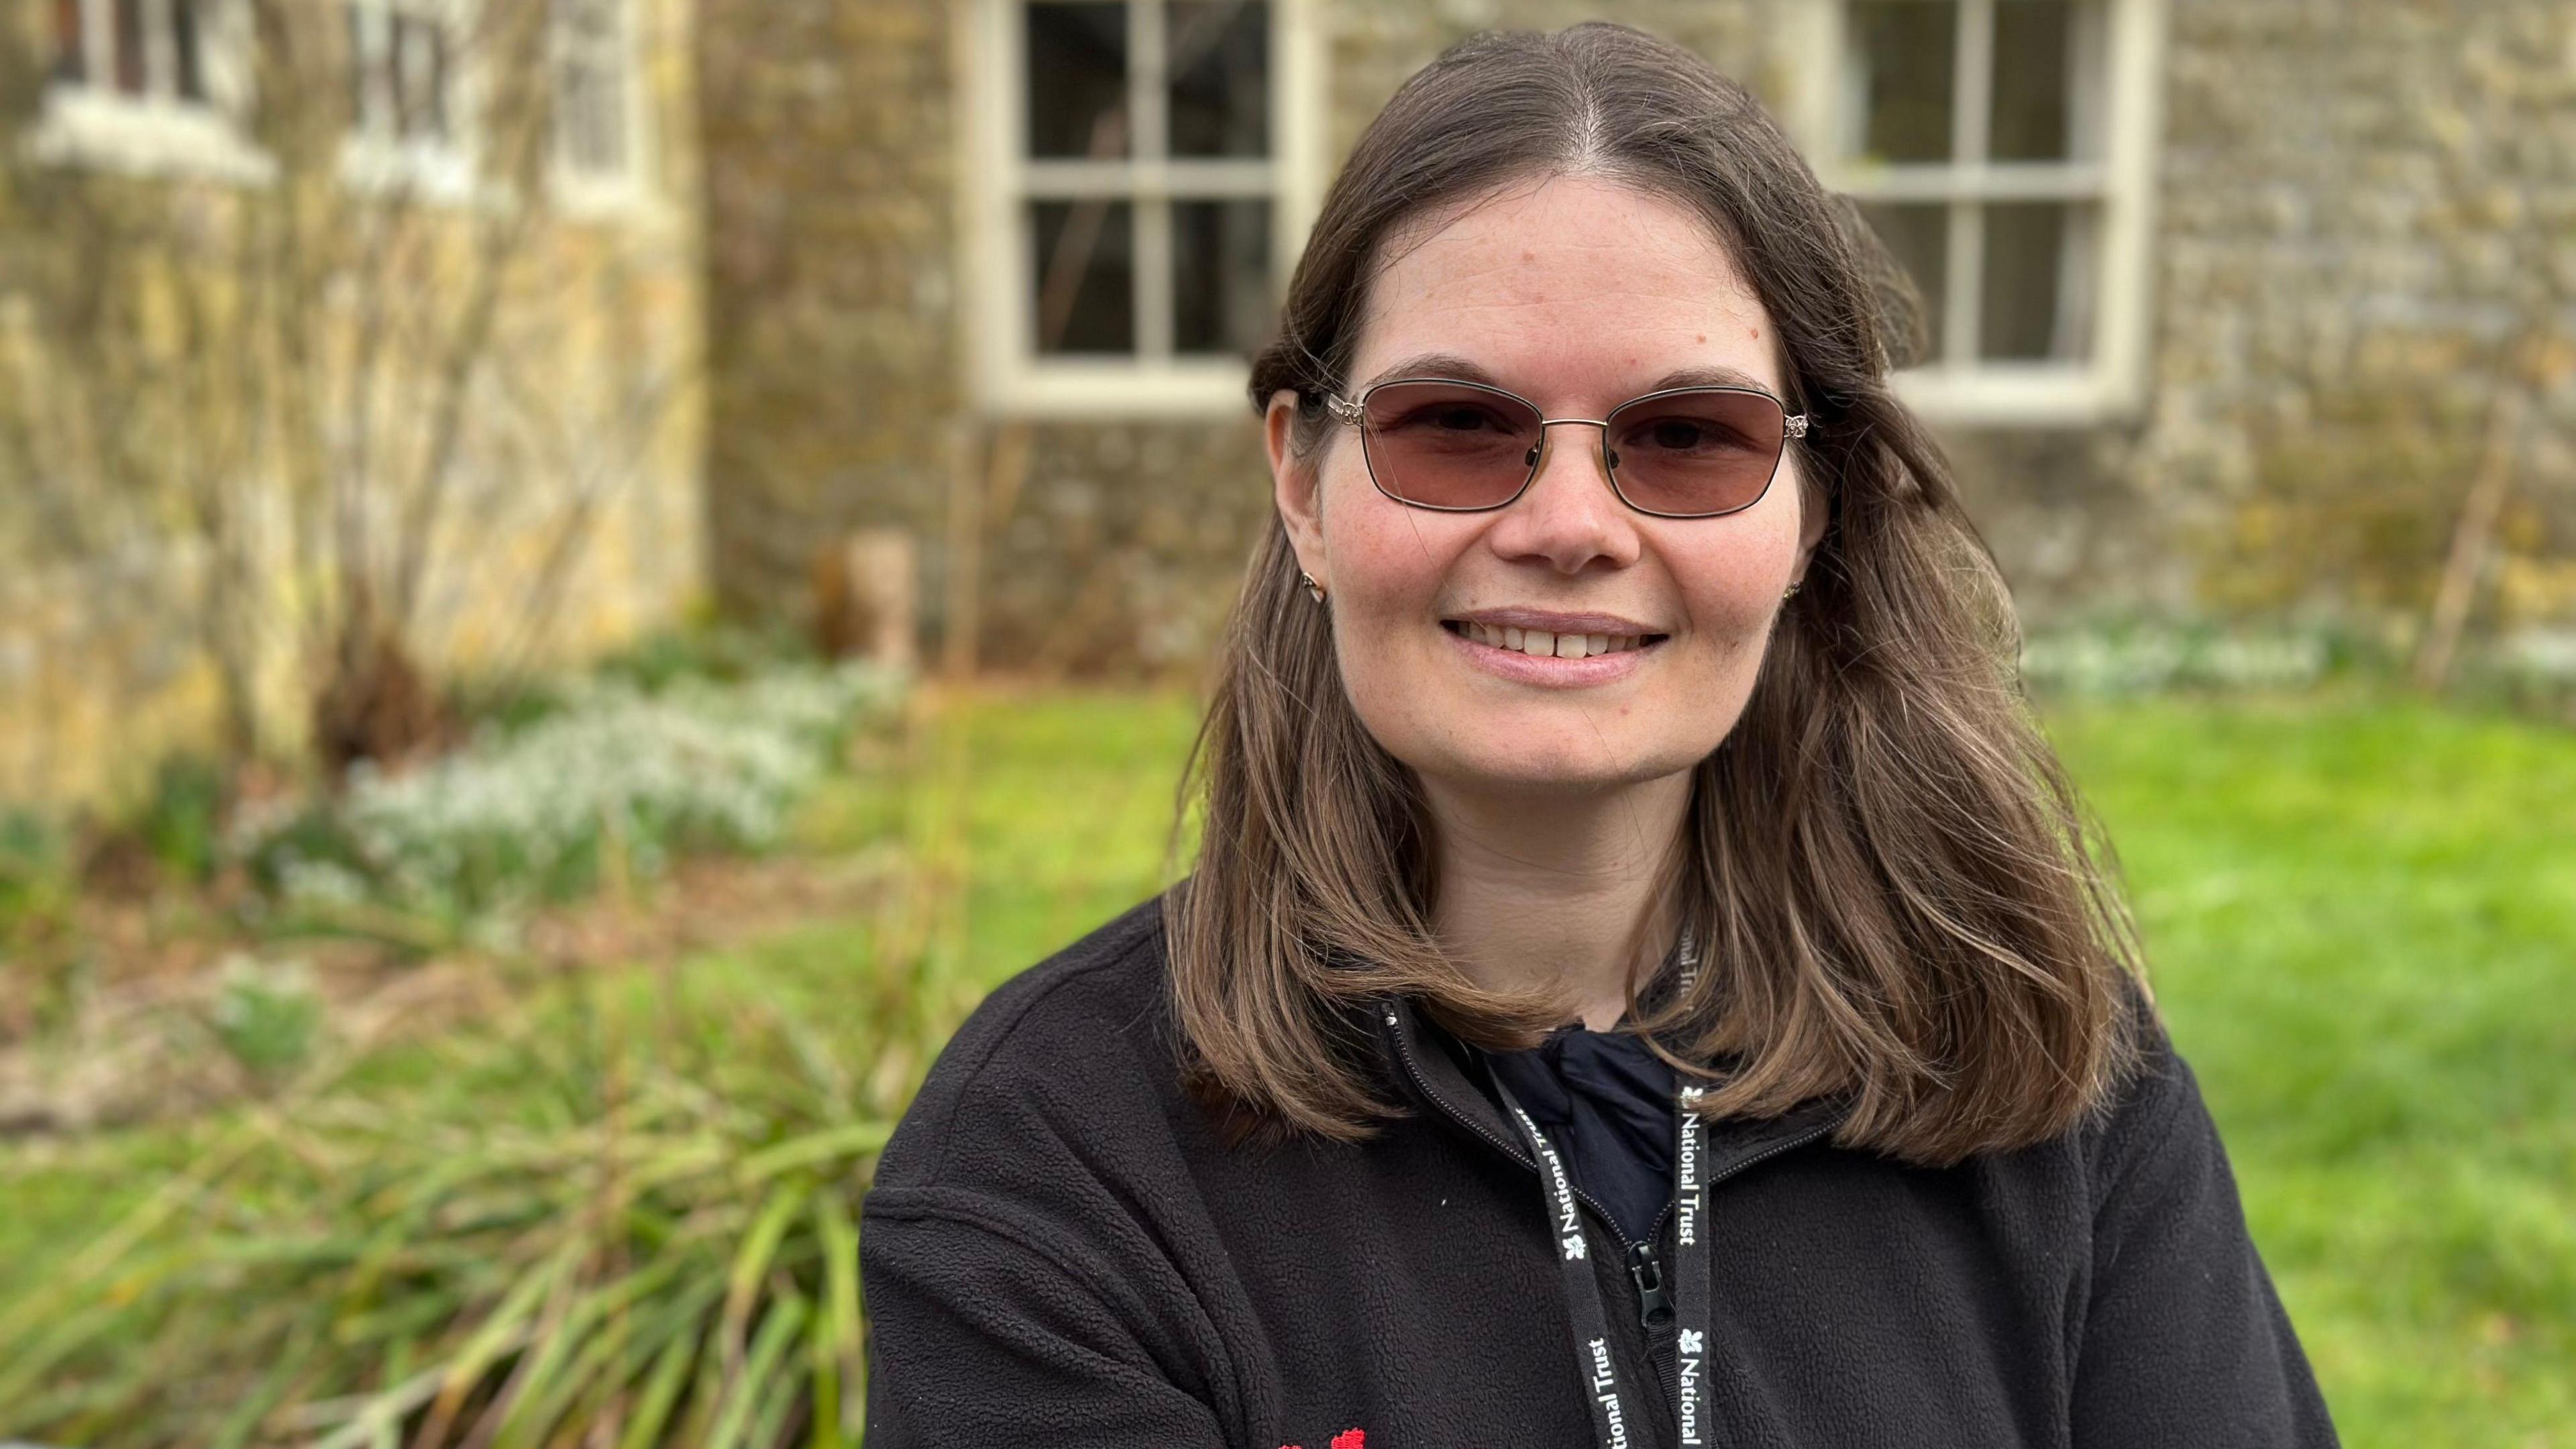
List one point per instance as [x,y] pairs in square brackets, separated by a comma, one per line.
[1897,892]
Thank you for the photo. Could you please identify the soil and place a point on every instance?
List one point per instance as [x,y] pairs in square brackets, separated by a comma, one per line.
[107,1020]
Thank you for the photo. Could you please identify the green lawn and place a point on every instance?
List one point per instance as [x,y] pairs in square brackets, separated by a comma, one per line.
[2361,919]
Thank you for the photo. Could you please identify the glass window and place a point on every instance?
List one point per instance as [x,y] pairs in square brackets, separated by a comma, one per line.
[132,65]
[592,80]
[2036,298]
[1919,235]
[1086,276]
[1220,276]
[2034,81]
[402,73]
[1220,79]
[1077,80]
[1148,177]
[418,74]
[71,42]
[1903,67]
[145,49]
[1971,135]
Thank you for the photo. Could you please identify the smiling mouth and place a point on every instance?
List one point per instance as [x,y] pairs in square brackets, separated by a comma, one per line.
[1541,644]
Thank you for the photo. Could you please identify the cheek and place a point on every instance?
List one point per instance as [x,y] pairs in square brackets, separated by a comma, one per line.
[1388,561]
[1390,565]
[1731,578]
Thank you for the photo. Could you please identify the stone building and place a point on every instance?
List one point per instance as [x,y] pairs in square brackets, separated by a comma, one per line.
[328,325]
[2223,292]
[627,299]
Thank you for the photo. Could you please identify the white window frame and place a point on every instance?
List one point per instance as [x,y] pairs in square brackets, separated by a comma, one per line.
[373,156]
[2109,383]
[90,122]
[627,188]
[1005,373]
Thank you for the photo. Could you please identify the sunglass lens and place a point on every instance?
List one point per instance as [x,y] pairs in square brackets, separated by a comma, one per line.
[1694,453]
[1448,445]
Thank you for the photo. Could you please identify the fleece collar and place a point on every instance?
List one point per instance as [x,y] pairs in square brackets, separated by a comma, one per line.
[1433,1078]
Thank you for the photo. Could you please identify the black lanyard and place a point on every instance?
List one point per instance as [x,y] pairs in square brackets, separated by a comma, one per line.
[1612,1400]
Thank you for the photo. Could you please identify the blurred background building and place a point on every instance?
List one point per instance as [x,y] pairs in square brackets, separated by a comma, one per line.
[427,335]
[2221,292]
[347,347]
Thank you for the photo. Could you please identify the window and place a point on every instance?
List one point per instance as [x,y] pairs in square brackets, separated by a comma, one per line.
[2003,150]
[1147,179]
[145,49]
[592,121]
[409,104]
[149,86]
[401,72]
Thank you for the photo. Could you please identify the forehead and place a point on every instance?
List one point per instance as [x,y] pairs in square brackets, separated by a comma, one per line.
[1567,289]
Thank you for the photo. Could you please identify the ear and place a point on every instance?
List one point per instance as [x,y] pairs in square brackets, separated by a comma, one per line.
[1295,485]
[1814,508]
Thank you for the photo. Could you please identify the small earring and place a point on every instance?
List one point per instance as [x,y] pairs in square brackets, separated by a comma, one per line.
[1791,591]
[1314,590]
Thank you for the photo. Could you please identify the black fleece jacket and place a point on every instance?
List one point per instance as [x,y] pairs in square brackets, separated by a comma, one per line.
[1060,1250]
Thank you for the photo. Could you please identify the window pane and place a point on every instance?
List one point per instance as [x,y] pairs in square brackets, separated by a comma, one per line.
[71,59]
[590,86]
[1919,236]
[129,47]
[361,114]
[418,66]
[1902,64]
[1220,276]
[2038,293]
[2034,79]
[1077,82]
[1085,276]
[1220,69]
[184,50]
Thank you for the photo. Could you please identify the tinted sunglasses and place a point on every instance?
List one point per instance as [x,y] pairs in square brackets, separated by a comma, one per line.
[1463,447]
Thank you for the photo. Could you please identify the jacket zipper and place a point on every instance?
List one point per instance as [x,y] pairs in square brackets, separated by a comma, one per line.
[1639,1257]
[1647,1272]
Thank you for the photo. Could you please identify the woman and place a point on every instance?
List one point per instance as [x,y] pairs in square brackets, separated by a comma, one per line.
[1645,980]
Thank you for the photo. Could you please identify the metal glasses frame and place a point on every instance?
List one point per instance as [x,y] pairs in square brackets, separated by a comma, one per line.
[1354,413]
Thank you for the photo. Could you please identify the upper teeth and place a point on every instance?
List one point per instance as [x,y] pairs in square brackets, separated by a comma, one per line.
[1544,644]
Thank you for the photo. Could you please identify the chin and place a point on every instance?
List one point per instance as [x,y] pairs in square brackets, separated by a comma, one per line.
[1566,766]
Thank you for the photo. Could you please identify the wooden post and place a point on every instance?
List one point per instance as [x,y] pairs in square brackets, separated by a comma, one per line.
[866,599]
[2473,538]
[965,553]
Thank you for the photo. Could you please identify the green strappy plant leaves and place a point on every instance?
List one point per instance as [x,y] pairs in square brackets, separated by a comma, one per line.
[630,1219]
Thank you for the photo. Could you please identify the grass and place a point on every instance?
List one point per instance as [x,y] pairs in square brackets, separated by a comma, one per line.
[2362,924]
[2362,918]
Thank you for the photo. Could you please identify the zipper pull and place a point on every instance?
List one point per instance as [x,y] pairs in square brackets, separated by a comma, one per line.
[1654,1306]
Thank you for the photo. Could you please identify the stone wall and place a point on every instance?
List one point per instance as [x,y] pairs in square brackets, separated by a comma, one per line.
[2364,208]
[2358,206]
[575,519]
[832,286]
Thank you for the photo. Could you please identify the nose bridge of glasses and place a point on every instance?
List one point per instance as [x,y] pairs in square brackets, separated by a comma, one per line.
[1600,451]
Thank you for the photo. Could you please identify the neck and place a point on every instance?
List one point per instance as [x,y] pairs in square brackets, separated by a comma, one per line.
[1547,891]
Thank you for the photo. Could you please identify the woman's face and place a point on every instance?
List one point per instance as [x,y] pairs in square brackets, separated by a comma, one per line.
[1578,294]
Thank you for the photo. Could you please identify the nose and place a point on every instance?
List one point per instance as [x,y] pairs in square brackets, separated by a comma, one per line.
[1568,516]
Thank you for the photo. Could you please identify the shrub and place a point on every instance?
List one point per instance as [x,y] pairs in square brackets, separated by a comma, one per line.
[267,1015]
[612,784]
[2131,657]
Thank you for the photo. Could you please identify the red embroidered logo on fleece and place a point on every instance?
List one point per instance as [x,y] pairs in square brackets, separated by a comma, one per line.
[1347,1439]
